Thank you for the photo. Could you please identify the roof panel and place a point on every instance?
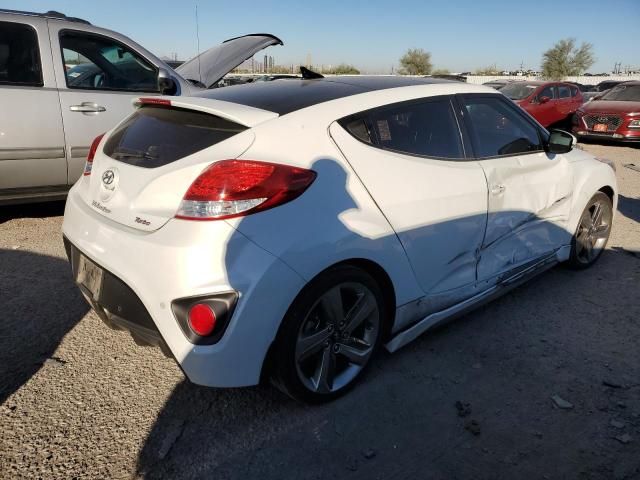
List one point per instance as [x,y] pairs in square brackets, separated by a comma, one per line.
[288,95]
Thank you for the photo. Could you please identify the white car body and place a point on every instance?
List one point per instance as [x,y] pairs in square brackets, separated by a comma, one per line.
[445,235]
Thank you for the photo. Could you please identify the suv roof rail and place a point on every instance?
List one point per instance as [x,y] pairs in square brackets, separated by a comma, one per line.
[49,14]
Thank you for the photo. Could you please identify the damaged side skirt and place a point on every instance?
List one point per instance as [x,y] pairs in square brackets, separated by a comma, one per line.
[448,314]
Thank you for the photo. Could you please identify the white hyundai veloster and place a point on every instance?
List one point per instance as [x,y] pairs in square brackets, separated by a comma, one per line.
[288,229]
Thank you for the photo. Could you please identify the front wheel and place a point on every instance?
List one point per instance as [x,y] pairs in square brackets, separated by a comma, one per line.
[592,233]
[329,335]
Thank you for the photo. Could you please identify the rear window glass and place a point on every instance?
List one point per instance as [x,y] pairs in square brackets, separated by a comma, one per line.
[19,55]
[155,136]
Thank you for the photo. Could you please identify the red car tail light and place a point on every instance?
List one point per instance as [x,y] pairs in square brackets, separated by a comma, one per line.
[235,188]
[92,153]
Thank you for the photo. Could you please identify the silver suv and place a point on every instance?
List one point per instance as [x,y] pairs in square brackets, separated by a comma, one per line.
[64,81]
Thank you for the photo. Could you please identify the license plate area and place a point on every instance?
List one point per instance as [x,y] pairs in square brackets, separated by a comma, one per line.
[90,276]
[600,127]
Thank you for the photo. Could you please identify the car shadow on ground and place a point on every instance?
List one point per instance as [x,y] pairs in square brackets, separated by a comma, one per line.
[40,304]
[31,210]
[629,207]
[472,399]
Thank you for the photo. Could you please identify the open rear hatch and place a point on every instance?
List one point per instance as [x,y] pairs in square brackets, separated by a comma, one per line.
[143,168]
[211,65]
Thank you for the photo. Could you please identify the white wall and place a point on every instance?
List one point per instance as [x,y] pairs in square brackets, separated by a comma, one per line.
[479,79]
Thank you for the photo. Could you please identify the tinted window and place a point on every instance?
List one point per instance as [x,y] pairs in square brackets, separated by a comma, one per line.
[546,92]
[100,63]
[358,128]
[574,91]
[499,129]
[429,129]
[564,91]
[19,55]
[518,90]
[155,136]
[624,92]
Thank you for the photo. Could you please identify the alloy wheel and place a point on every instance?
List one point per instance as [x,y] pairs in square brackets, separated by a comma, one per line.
[593,231]
[337,337]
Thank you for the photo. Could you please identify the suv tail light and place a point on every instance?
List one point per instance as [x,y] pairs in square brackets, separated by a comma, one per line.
[235,188]
[92,153]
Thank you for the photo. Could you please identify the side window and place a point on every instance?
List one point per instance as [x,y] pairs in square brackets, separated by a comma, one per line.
[574,91]
[427,129]
[100,63]
[19,55]
[564,91]
[498,129]
[359,129]
[546,92]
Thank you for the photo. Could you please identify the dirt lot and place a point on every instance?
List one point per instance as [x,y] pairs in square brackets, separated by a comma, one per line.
[81,401]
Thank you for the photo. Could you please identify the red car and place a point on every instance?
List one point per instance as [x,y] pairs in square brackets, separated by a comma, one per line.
[547,102]
[615,115]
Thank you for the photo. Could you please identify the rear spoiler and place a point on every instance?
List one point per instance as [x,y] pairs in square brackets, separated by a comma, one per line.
[235,112]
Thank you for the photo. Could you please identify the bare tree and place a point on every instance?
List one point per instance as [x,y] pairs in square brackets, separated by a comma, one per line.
[566,59]
[415,62]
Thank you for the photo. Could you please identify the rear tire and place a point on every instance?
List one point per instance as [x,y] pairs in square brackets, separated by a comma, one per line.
[329,335]
[592,234]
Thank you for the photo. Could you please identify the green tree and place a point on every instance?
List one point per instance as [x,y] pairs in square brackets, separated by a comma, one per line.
[441,71]
[566,59]
[490,70]
[415,62]
[343,69]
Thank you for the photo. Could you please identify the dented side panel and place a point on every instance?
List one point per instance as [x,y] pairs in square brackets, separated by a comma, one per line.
[529,206]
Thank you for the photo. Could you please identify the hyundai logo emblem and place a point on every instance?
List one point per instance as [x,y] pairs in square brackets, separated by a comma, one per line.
[108,177]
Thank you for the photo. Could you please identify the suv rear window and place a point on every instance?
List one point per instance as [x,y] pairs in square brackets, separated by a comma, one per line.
[155,136]
[19,55]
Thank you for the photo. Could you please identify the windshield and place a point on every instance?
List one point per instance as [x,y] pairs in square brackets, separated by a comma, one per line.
[518,91]
[622,93]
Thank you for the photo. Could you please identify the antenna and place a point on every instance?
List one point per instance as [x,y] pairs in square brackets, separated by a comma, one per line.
[198,45]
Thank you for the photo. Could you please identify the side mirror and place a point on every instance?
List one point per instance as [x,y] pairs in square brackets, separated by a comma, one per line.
[166,84]
[560,142]
[544,99]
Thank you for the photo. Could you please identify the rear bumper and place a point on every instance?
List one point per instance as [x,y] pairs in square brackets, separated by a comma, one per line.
[185,259]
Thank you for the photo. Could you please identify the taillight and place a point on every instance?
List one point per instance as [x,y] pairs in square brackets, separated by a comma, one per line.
[234,188]
[92,153]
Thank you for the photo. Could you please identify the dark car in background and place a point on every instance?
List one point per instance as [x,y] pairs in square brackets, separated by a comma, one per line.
[548,102]
[615,115]
[498,84]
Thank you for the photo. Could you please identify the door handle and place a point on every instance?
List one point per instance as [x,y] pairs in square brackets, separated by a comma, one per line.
[87,107]
[498,189]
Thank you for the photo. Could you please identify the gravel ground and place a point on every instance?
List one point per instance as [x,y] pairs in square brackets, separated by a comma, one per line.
[474,399]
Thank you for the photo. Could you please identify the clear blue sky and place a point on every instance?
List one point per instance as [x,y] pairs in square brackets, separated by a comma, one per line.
[373,34]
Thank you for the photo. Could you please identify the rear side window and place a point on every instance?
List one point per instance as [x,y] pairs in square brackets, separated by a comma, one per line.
[564,91]
[155,136]
[19,55]
[498,129]
[574,91]
[426,129]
